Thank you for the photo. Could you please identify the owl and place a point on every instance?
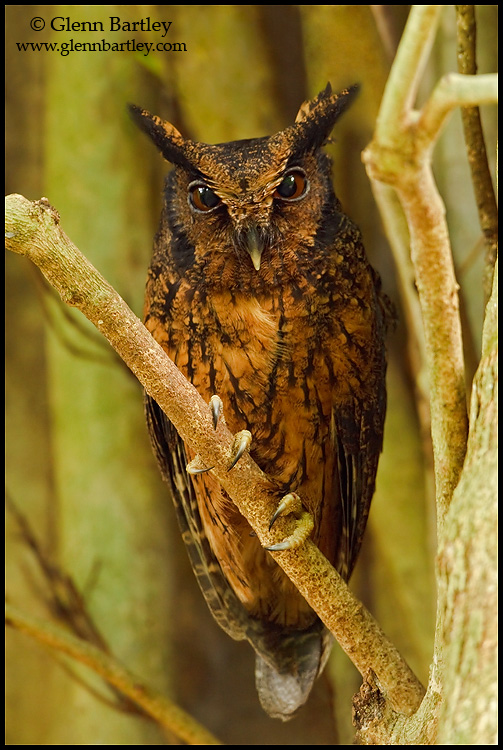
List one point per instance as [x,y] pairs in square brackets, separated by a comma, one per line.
[260,291]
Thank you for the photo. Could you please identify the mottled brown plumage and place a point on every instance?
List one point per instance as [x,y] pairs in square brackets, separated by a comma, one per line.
[260,291]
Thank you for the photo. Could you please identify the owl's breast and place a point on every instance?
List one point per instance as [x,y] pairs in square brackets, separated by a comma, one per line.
[239,343]
[277,360]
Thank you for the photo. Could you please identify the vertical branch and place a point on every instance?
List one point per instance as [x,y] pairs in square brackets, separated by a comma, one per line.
[400,155]
[397,232]
[406,72]
[475,144]
[437,288]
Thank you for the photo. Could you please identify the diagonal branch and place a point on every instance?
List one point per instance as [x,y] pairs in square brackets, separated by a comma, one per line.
[33,230]
[165,712]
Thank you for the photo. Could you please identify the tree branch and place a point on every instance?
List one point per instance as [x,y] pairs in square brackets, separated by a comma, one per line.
[33,230]
[405,75]
[453,90]
[468,566]
[165,712]
[397,232]
[400,156]
[475,145]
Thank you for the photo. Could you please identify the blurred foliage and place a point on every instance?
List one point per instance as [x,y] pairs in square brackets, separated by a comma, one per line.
[79,463]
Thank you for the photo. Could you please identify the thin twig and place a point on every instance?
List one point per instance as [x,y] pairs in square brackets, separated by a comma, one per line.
[386,23]
[452,91]
[66,604]
[165,712]
[63,598]
[33,230]
[475,144]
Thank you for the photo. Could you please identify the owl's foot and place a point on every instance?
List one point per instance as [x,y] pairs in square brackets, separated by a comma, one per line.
[242,441]
[197,467]
[291,503]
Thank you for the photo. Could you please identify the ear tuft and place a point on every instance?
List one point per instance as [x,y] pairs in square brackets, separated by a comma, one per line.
[316,117]
[170,142]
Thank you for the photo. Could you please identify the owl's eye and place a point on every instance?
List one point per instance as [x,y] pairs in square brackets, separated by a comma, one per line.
[293,185]
[202,198]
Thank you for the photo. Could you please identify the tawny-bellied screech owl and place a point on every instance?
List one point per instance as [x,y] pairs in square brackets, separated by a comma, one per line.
[260,291]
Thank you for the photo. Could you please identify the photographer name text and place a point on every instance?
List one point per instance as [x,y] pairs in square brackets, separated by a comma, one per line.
[61,23]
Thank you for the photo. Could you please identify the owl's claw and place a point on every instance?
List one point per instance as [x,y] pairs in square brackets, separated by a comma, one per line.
[196,467]
[216,408]
[291,503]
[242,441]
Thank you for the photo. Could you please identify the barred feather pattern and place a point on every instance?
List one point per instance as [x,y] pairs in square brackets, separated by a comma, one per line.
[260,291]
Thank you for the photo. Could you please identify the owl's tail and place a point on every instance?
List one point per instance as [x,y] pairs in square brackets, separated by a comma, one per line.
[285,676]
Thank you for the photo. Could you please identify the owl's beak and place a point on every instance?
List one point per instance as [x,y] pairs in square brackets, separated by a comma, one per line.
[254,245]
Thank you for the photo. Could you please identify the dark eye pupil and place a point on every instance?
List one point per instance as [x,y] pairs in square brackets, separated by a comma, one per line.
[207,197]
[292,186]
[287,187]
[203,198]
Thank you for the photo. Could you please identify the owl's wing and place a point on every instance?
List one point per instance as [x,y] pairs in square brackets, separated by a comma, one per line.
[356,479]
[358,436]
[287,662]
[171,457]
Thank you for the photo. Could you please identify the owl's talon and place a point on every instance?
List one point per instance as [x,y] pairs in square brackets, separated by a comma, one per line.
[242,441]
[216,408]
[280,546]
[302,532]
[291,503]
[196,467]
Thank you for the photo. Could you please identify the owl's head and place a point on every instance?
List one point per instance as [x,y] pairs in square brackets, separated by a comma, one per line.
[252,193]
